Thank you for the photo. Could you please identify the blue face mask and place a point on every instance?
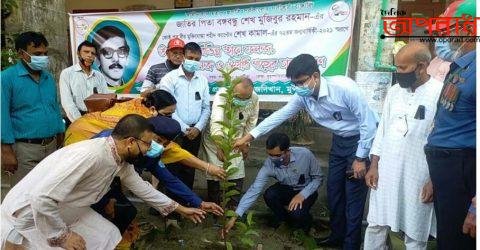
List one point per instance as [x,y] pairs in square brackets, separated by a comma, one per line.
[277,161]
[241,103]
[37,63]
[191,65]
[155,151]
[305,90]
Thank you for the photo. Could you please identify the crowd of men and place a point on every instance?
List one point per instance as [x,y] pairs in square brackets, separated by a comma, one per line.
[417,159]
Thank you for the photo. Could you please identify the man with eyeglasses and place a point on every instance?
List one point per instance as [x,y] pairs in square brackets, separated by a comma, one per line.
[298,174]
[79,81]
[338,104]
[113,53]
[248,107]
[401,192]
[158,71]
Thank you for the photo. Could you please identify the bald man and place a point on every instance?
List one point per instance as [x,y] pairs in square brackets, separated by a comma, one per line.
[401,191]
[247,101]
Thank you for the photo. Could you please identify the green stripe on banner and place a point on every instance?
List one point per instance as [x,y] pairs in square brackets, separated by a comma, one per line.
[339,66]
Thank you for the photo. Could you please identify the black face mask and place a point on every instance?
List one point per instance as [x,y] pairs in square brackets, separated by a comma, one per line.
[406,80]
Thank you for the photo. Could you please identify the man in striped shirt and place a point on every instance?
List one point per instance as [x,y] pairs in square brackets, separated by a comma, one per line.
[158,71]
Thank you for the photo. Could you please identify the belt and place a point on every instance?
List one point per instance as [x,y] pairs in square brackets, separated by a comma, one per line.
[449,152]
[42,141]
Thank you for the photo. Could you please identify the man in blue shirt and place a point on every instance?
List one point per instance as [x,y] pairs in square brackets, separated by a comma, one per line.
[166,130]
[338,104]
[32,125]
[299,176]
[451,151]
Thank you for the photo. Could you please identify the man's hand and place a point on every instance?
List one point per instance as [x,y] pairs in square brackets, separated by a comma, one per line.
[110,208]
[371,178]
[74,242]
[194,214]
[242,141]
[217,171]
[211,208]
[296,202]
[229,226]
[427,192]
[244,149]
[359,169]
[192,133]
[220,155]
[469,225]
[9,160]
[60,139]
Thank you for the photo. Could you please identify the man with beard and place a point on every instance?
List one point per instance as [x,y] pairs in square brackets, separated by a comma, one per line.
[158,71]
[114,51]
[78,82]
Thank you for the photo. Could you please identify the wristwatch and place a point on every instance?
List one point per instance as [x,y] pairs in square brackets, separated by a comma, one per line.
[360,159]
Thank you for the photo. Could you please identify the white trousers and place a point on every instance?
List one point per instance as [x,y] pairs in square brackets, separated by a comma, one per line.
[376,239]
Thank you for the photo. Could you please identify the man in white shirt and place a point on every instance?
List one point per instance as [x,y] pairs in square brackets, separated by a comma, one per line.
[190,89]
[50,207]
[79,81]
[401,191]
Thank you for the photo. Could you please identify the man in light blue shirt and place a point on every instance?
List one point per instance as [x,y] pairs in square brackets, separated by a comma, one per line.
[299,176]
[190,89]
[336,103]
[32,125]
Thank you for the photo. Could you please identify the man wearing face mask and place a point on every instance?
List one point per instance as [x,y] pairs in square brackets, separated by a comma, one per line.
[158,71]
[338,104]
[299,176]
[248,107]
[401,191]
[78,82]
[190,89]
[50,206]
[451,147]
[32,125]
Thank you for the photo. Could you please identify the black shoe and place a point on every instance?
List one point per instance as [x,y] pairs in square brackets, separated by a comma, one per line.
[327,242]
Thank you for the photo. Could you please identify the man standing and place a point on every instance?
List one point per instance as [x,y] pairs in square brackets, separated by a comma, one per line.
[336,103]
[78,82]
[190,89]
[32,125]
[248,107]
[401,191]
[50,206]
[451,147]
[299,176]
[158,71]
[113,49]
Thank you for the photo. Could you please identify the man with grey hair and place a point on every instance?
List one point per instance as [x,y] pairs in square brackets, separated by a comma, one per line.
[401,191]
[247,101]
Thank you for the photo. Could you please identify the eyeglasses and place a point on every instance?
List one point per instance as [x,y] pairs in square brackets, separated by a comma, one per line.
[149,144]
[121,52]
[300,82]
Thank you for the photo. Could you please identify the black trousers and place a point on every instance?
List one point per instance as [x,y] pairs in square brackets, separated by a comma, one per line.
[278,196]
[453,175]
[184,173]
[215,194]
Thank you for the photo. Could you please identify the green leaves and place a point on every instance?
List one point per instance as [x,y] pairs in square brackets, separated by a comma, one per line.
[229,245]
[247,241]
[232,193]
[226,184]
[241,226]
[250,218]
[231,171]
[230,213]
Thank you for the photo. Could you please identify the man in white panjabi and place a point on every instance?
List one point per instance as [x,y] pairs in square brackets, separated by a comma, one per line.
[248,107]
[50,207]
[401,191]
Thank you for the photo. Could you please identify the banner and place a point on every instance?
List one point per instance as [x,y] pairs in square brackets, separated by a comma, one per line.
[258,39]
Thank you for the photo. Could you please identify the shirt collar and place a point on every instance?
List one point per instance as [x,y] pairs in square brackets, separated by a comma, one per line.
[78,68]
[465,60]
[323,88]
[113,148]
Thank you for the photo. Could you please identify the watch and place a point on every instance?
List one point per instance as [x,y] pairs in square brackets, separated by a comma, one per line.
[360,159]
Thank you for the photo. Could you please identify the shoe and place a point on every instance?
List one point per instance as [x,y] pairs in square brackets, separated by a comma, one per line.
[327,242]
[153,211]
